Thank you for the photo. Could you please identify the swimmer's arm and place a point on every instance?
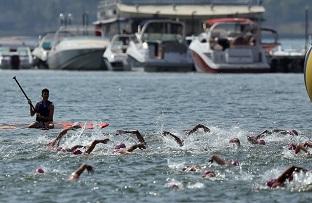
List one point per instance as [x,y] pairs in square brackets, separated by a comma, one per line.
[134,147]
[218,160]
[76,174]
[288,173]
[176,138]
[135,132]
[94,143]
[205,128]
[301,147]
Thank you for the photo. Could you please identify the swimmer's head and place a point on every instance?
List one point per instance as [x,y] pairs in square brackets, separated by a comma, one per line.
[235,141]
[208,174]
[271,183]
[262,142]
[77,152]
[120,146]
[235,163]
[39,170]
[291,146]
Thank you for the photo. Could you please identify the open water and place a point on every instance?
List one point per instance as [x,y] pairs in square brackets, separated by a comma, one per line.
[230,105]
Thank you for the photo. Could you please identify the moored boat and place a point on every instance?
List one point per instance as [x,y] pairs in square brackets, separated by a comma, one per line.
[76,49]
[229,45]
[159,46]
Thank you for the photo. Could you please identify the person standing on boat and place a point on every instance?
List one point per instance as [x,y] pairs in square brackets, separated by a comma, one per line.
[44,111]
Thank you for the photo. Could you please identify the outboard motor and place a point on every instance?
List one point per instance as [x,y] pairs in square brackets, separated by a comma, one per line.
[15,62]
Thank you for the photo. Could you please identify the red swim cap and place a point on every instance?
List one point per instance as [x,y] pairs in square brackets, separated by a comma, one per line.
[39,170]
[77,151]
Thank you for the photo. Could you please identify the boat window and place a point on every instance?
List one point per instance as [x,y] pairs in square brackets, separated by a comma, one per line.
[46,45]
[22,51]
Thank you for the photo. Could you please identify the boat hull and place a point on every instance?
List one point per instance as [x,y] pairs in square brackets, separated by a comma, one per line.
[77,59]
[203,64]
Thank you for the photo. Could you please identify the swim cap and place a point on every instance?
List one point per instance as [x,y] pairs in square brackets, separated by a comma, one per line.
[39,170]
[119,146]
[77,152]
[270,183]
[291,146]
[235,163]
[209,173]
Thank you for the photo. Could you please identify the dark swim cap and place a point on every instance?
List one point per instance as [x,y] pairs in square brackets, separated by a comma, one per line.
[119,146]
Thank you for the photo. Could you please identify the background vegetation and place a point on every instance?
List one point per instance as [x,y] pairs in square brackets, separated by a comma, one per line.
[32,17]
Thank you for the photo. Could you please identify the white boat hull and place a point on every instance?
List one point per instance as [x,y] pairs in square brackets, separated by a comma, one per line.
[77,59]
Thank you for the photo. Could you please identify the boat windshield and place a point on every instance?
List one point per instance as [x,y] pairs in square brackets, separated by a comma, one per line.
[237,34]
[22,51]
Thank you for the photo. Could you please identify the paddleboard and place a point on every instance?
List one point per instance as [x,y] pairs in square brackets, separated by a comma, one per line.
[87,125]
[58,125]
[308,72]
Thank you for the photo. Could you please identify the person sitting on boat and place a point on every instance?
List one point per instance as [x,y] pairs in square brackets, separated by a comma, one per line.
[44,111]
[77,149]
[221,161]
[76,174]
[286,175]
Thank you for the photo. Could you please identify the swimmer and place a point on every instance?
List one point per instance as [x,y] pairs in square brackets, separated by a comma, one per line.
[197,127]
[76,174]
[208,174]
[39,170]
[122,148]
[134,132]
[286,175]
[292,132]
[235,141]
[221,161]
[191,168]
[299,147]
[77,148]
[255,140]
[180,141]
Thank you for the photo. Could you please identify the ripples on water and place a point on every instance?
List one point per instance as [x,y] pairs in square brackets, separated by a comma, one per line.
[231,105]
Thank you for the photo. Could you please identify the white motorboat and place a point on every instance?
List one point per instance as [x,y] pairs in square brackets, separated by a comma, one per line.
[229,45]
[76,49]
[15,58]
[40,53]
[159,45]
[115,55]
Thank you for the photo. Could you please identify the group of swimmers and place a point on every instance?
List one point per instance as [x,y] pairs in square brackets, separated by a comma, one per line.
[44,111]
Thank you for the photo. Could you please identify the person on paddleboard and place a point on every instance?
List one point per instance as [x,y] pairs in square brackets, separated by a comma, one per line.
[44,111]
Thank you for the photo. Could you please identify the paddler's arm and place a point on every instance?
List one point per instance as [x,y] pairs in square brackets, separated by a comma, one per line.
[31,109]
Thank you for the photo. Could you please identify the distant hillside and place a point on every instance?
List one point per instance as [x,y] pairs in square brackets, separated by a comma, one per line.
[287,16]
[29,17]
[32,17]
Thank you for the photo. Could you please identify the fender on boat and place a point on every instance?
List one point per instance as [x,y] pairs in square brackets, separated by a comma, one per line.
[308,72]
